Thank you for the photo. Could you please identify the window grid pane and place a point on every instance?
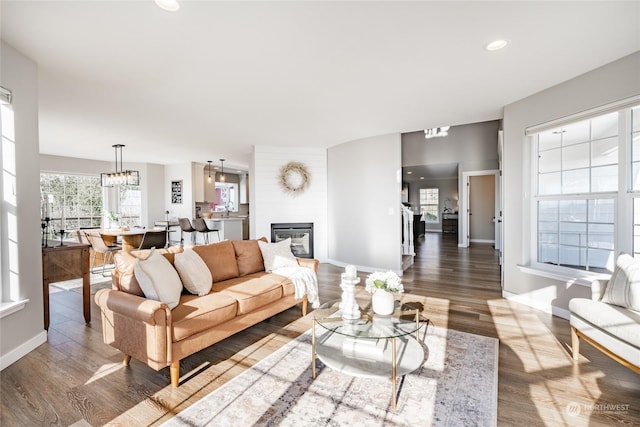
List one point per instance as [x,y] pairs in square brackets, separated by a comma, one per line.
[584,153]
[74,201]
[430,204]
[576,233]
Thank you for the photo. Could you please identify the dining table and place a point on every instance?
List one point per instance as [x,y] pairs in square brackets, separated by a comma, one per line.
[131,238]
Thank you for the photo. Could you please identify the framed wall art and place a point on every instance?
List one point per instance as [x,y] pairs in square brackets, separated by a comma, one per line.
[176,192]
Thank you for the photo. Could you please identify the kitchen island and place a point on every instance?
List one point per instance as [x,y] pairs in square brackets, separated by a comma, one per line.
[230,228]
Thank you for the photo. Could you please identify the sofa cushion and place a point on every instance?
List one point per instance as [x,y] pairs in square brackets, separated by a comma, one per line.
[248,256]
[252,291]
[623,288]
[158,279]
[194,273]
[195,314]
[277,255]
[124,279]
[220,257]
[617,321]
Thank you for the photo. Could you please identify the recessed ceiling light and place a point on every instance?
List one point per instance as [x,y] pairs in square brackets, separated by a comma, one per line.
[496,45]
[409,172]
[422,177]
[170,5]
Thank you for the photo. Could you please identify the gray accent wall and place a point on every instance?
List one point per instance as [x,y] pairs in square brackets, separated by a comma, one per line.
[363,192]
[474,147]
[612,82]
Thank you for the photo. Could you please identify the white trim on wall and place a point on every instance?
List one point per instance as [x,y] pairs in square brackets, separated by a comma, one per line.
[463,217]
[22,350]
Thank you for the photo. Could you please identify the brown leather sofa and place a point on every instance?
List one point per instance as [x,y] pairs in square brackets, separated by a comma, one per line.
[242,295]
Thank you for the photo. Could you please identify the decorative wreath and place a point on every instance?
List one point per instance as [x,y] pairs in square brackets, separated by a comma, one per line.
[294,178]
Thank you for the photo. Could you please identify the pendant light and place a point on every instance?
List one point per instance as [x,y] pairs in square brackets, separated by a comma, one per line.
[209,167]
[120,176]
[222,177]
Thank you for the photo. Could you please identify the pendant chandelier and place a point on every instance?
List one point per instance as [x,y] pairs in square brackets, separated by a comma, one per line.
[436,132]
[120,176]
[222,177]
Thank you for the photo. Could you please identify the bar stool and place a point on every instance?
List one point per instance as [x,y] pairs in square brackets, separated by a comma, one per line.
[185,227]
[201,226]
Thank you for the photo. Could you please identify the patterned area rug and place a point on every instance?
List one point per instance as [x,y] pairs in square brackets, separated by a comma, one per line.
[456,386]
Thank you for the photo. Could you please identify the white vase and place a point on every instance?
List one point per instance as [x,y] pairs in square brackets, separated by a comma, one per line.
[382,302]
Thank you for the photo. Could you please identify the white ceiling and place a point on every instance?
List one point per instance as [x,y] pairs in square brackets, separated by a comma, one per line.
[216,78]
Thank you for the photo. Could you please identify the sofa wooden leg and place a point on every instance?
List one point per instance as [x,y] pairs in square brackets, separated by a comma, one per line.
[174,369]
[126,360]
[305,302]
[575,343]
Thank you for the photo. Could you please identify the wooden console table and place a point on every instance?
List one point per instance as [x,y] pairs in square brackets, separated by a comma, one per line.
[60,263]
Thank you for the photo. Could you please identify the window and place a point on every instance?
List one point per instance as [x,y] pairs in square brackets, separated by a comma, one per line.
[130,202]
[9,275]
[429,204]
[581,204]
[73,201]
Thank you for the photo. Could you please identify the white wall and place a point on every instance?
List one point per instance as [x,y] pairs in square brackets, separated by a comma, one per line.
[615,81]
[364,202]
[22,331]
[270,204]
[183,172]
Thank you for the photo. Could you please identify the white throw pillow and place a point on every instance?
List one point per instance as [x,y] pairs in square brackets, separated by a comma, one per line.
[277,255]
[158,279]
[196,276]
[623,288]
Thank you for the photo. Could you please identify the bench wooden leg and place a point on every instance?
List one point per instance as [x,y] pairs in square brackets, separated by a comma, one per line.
[305,302]
[126,360]
[575,344]
[174,369]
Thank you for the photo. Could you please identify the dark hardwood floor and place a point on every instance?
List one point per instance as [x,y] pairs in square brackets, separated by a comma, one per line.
[76,379]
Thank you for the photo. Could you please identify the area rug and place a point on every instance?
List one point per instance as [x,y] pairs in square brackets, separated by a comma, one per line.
[456,386]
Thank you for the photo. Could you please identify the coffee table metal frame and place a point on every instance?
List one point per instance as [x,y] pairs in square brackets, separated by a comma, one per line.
[329,317]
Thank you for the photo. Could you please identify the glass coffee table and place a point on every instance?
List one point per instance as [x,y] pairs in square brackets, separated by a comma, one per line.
[373,346]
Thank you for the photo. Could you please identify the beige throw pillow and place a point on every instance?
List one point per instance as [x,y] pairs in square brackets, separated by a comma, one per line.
[158,279]
[277,255]
[193,271]
[623,288]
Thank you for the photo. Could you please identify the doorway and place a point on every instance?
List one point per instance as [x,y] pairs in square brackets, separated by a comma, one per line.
[480,210]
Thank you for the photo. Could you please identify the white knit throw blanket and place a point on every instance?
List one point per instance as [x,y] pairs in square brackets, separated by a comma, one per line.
[305,282]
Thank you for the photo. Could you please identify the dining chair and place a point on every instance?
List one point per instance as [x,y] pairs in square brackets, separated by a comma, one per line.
[154,239]
[201,226]
[186,227]
[100,247]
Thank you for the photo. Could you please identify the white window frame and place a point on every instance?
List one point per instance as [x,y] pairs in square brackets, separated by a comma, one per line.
[437,205]
[623,198]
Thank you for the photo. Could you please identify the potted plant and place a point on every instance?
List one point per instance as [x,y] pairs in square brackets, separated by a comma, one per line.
[383,285]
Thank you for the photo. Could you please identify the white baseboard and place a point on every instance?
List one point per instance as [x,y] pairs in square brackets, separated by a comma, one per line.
[538,305]
[22,350]
[363,268]
[481,241]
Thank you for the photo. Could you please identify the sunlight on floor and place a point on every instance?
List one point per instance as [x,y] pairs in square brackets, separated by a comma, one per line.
[558,378]
[103,371]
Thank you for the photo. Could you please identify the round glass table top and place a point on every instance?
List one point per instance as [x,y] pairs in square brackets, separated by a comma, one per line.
[405,320]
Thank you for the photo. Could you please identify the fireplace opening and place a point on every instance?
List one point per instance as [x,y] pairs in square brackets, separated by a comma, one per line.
[301,234]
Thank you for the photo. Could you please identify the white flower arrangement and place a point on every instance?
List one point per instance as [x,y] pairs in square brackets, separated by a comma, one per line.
[388,281]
